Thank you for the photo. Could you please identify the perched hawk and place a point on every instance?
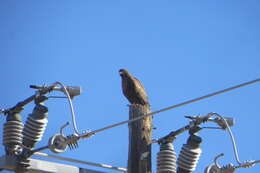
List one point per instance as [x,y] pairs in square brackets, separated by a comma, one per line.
[133,88]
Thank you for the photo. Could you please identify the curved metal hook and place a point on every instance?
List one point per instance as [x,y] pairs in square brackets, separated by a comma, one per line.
[63,127]
[71,108]
[216,158]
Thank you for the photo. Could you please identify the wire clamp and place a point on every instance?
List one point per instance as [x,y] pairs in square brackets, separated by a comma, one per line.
[58,143]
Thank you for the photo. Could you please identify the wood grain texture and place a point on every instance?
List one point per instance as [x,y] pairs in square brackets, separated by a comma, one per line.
[140,133]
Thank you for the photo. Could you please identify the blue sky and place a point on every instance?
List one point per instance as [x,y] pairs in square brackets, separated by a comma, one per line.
[178,49]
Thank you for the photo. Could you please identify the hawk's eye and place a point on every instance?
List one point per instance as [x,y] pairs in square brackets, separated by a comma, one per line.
[121,72]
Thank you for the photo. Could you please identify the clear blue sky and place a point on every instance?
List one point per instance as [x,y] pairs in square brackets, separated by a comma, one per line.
[178,49]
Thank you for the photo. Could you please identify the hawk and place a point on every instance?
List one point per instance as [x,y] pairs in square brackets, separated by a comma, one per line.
[133,89]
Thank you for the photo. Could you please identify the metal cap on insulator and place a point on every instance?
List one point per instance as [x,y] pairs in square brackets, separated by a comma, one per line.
[166,158]
[72,90]
[194,141]
[35,125]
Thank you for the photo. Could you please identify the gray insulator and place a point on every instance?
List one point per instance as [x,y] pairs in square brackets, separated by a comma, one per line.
[166,159]
[13,133]
[33,131]
[188,157]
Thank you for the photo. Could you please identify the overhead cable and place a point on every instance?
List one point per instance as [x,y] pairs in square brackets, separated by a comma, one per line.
[86,135]
[71,107]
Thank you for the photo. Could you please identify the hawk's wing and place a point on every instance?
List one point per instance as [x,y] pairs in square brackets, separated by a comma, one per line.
[139,84]
[140,89]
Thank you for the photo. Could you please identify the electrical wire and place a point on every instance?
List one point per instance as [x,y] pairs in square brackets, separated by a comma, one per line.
[246,164]
[214,128]
[243,165]
[86,135]
[71,108]
[257,161]
[57,97]
[232,138]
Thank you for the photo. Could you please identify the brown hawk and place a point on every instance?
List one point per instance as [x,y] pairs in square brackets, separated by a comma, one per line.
[133,89]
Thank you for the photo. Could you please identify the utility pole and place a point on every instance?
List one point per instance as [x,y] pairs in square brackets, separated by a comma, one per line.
[140,133]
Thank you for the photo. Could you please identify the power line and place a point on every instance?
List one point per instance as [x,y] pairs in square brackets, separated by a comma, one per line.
[86,135]
[71,107]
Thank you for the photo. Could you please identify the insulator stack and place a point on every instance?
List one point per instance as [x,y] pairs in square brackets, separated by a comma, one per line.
[189,155]
[33,131]
[12,139]
[35,126]
[13,133]
[23,165]
[166,159]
